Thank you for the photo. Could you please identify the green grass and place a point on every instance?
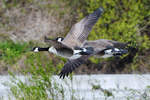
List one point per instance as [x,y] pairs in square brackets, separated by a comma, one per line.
[38,66]
[11,52]
[40,84]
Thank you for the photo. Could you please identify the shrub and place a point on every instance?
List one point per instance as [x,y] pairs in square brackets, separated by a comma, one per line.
[124,21]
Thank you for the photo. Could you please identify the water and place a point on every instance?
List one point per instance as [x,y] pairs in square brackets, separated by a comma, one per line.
[121,86]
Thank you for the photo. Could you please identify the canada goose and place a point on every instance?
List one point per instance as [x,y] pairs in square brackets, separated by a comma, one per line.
[77,50]
[70,46]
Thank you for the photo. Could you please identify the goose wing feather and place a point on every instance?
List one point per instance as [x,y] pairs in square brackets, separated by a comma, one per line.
[102,44]
[80,31]
[71,65]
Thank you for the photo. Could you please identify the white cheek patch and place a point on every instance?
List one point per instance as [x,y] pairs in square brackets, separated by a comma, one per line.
[59,39]
[36,50]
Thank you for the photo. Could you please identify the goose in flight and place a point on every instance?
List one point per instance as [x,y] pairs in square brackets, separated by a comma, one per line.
[77,49]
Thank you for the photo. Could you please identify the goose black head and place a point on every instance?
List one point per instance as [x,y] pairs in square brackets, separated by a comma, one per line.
[38,49]
[54,41]
[35,49]
[59,39]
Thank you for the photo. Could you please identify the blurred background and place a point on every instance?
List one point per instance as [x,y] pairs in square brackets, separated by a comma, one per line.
[24,23]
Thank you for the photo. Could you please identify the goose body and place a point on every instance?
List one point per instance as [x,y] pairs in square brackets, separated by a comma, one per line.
[65,53]
[106,48]
[77,49]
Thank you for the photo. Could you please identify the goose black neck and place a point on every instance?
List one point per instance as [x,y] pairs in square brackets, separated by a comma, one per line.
[43,49]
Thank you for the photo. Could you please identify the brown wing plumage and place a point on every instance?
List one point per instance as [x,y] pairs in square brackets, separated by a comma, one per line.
[97,45]
[79,32]
[102,44]
[72,64]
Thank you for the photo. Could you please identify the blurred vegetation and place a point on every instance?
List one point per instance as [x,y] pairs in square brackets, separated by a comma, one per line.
[125,21]
[122,20]
[11,52]
[39,84]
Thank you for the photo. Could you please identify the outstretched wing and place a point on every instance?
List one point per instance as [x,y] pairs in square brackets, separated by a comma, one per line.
[71,65]
[102,44]
[80,31]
